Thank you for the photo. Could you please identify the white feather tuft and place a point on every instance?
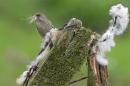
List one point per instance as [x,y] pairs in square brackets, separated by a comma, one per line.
[101,59]
[43,55]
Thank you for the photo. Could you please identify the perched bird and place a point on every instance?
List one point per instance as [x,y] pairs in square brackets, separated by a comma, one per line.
[43,25]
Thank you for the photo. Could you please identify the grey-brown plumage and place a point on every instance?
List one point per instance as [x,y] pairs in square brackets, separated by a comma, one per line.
[43,25]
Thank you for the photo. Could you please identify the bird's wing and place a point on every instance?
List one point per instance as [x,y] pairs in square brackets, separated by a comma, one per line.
[43,27]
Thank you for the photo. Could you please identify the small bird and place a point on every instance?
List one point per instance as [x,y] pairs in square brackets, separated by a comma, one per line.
[43,25]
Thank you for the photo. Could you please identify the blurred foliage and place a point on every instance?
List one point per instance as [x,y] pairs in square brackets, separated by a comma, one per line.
[20,41]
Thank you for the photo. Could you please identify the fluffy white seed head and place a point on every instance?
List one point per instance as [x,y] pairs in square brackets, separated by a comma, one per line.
[43,56]
[51,35]
[122,18]
[33,63]
[102,59]
[22,78]
[54,33]
[45,40]
[104,45]
[117,26]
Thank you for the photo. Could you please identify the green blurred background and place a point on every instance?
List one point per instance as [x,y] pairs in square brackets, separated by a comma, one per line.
[19,40]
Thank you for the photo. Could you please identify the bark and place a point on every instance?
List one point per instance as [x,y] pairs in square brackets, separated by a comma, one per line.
[97,74]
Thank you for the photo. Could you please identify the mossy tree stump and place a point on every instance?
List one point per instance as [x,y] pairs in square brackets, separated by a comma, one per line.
[71,50]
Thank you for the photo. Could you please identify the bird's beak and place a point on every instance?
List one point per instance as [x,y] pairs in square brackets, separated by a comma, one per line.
[33,18]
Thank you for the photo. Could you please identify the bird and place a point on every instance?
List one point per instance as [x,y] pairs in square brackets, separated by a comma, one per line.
[43,25]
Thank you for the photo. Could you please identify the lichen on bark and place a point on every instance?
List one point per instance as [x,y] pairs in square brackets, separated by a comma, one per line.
[65,59]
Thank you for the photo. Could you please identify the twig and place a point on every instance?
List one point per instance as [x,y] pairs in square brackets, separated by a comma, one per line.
[77,80]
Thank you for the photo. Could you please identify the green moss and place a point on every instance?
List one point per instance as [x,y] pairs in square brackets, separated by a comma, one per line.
[65,59]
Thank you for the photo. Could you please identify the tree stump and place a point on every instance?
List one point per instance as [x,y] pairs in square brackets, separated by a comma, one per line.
[72,49]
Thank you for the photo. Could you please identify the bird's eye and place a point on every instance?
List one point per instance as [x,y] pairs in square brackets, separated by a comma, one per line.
[38,15]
